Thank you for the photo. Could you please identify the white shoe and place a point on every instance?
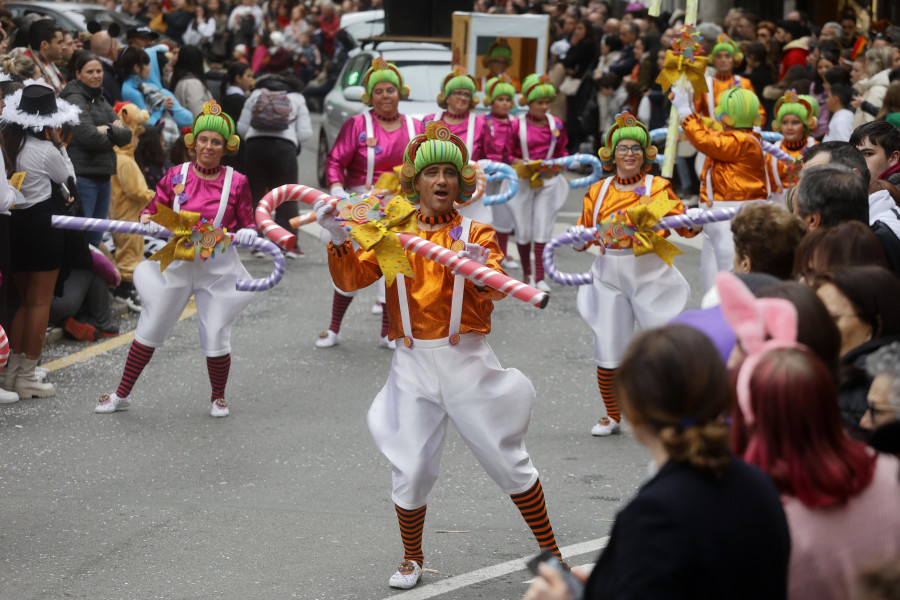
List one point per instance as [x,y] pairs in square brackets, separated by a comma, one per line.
[542,285]
[377,309]
[384,342]
[8,397]
[219,408]
[605,426]
[111,403]
[327,339]
[509,263]
[407,576]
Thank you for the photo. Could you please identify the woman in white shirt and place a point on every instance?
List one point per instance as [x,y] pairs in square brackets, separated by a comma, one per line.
[31,120]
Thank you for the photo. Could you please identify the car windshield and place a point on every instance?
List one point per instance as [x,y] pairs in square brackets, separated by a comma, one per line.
[365,29]
[424,80]
[101,15]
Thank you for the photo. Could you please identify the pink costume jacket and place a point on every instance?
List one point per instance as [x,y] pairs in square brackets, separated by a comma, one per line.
[498,138]
[539,136]
[346,163]
[204,197]
[461,130]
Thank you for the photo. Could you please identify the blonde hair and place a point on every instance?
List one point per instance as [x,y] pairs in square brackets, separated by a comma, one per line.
[21,65]
[878,59]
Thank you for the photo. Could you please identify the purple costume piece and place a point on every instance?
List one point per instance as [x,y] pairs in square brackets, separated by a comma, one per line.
[203,197]
[346,162]
[461,130]
[497,139]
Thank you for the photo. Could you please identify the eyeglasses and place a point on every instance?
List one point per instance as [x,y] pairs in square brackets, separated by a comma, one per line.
[461,93]
[623,150]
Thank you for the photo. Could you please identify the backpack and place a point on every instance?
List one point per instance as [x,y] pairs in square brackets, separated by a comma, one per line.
[271,111]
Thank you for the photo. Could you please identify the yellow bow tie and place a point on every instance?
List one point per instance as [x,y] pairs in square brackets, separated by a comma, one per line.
[190,237]
[676,66]
[374,231]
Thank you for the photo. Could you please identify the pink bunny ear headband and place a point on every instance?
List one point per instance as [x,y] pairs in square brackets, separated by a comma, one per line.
[760,324]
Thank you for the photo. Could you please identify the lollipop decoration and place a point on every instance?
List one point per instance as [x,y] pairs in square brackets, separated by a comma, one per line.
[682,63]
[480,185]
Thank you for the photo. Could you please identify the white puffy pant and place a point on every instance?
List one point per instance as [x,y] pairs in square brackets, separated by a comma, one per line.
[628,289]
[164,296]
[433,383]
[534,210]
[718,246]
[501,216]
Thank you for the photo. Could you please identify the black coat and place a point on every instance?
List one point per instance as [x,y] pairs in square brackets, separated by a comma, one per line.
[692,536]
[90,151]
[112,89]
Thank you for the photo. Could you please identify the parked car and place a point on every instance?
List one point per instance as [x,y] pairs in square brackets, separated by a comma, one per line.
[423,66]
[74,16]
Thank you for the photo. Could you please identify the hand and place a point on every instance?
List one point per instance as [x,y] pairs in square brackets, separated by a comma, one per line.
[681,100]
[575,232]
[477,253]
[169,103]
[549,586]
[118,123]
[152,228]
[693,214]
[104,129]
[338,191]
[857,101]
[246,236]
[325,218]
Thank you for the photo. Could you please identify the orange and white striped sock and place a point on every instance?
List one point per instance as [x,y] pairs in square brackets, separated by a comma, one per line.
[412,522]
[605,378]
[533,508]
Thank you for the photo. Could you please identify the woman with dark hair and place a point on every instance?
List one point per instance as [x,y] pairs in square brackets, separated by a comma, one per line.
[150,155]
[849,244]
[31,121]
[236,88]
[842,501]
[863,303]
[92,138]
[707,525]
[581,55]
[759,70]
[829,57]
[189,80]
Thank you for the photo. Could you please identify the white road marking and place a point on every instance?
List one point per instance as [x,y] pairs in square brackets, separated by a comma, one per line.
[445,586]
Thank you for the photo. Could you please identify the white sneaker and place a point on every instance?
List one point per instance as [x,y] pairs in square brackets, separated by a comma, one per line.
[327,339]
[605,426]
[8,397]
[509,263]
[377,309]
[384,342]
[407,576]
[219,408]
[542,285]
[111,403]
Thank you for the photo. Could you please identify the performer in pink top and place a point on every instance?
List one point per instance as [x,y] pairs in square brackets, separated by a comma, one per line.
[541,194]
[221,197]
[496,142]
[369,145]
[458,99]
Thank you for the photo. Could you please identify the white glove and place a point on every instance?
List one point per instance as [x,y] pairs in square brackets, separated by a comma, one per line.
[682,100]
[246,236]
[153,228]
[338,191]
[575,231]
[476,253]
[695,213]
[325,218]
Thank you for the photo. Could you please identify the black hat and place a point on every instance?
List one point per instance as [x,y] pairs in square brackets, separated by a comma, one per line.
[36,107]
[142,31]
[38,100]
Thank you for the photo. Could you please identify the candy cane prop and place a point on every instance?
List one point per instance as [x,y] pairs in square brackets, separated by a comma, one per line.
[4,348]
[464,266]
[498,170]
[244,285]
[592,235]
[574,161]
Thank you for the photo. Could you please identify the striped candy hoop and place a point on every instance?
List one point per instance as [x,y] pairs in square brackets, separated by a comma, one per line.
[480,185]
[591,235]
[496,171]
[4,348]
[575,161]
[244,285]
[275,198]
[464,266]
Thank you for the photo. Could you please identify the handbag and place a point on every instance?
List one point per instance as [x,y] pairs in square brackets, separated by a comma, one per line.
[569,86]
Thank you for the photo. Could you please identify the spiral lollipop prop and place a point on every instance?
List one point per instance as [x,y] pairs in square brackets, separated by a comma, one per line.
[480,185]
[574,161]
[495,171]
[593,235]
[244,285]
[466,267]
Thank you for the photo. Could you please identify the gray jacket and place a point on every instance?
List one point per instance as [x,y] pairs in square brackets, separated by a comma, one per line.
[92,152]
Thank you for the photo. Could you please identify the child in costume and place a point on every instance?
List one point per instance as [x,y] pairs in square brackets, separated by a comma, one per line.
[499,136]
[458,99]
[795,118]
[497,60]
[627,288]
[130,196]
[735,169]
[218,201]
[367,149]
[444,369]
[541,192]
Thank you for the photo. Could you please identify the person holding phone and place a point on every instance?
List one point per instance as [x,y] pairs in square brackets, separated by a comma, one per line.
[707,524]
